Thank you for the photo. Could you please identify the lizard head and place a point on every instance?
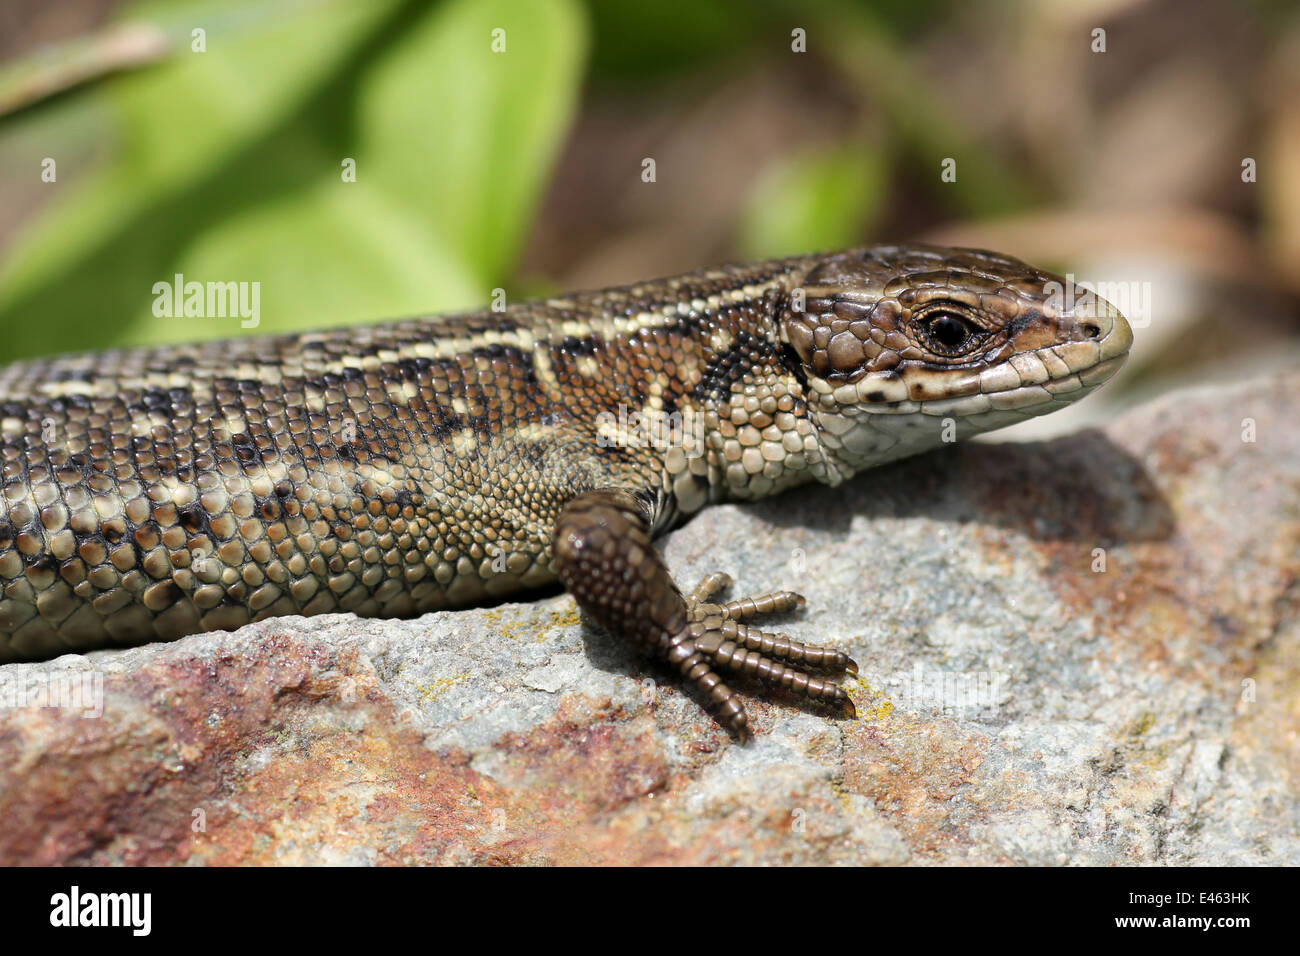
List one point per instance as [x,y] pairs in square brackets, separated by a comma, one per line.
[903,348]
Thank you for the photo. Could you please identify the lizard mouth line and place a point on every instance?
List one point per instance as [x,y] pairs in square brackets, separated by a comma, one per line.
[992,390]
[1102,371]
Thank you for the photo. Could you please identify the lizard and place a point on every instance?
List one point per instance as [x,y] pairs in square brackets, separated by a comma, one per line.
[439,462]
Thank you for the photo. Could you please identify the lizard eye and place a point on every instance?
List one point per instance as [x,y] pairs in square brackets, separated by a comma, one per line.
[948,331]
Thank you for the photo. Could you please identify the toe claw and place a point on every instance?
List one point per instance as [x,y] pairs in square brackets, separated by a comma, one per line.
[851,666]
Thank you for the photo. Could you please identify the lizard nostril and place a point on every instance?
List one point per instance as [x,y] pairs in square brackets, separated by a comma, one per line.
[1091,329]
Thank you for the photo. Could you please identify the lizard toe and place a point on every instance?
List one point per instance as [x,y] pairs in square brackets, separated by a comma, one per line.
[774,602]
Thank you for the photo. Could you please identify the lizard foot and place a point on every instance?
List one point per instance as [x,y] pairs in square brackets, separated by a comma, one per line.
[717,632]
[603,556]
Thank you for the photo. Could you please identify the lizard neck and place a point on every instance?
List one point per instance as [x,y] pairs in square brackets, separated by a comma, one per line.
[757,434]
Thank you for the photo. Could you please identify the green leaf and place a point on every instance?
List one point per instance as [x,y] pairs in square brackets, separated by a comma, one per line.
[813,201]
[330,254]
[467,134]
[82,275]
[230,170]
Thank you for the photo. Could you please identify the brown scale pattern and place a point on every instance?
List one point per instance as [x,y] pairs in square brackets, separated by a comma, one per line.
[408,466]
[153,493]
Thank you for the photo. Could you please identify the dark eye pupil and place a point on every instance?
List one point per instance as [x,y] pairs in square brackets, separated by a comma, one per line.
[948,330]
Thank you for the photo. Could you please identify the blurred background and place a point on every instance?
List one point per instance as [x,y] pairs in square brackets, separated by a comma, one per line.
[1147,142]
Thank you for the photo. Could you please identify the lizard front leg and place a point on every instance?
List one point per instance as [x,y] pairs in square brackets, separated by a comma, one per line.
[604,557]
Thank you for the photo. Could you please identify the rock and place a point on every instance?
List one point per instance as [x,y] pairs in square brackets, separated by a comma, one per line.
[1081,651]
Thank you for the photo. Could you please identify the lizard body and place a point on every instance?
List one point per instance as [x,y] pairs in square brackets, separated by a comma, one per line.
[433,463]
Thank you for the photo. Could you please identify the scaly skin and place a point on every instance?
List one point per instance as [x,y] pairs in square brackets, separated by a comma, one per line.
[434,463]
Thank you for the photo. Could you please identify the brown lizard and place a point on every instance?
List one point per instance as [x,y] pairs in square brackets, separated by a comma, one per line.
[433,463]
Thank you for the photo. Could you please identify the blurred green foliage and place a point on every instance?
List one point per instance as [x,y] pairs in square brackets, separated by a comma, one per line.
[636,43]
[227,164]
[815,200]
